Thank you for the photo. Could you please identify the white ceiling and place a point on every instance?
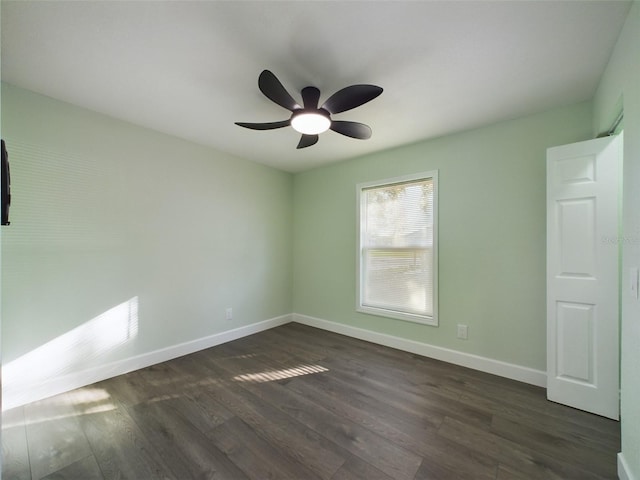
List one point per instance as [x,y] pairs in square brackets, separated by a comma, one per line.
[191,69]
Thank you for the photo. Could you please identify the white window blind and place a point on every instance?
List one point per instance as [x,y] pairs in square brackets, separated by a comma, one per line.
[397,255]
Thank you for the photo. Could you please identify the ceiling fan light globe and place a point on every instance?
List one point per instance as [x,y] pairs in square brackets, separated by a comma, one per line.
[310,123]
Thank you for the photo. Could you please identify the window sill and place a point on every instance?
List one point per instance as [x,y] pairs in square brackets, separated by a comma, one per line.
[407,317]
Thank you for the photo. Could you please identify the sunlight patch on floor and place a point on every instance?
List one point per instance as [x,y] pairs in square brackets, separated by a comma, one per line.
[83,401]
[272,375]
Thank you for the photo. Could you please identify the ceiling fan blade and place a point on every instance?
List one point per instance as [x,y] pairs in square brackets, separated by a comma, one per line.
[274,91]
[351,97]
[265,126]
[307,141]
[310,97]
[351,129]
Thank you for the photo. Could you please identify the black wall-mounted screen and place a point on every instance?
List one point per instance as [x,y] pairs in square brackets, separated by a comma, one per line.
[6,185]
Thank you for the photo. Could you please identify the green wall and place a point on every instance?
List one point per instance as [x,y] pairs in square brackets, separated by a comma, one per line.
[107,215]
[492,221]
[620,87]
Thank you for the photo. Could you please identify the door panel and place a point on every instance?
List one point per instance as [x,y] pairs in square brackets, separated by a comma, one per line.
[575,322]
[576,229]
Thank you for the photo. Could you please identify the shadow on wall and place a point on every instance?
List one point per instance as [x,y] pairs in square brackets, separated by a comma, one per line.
[66,354]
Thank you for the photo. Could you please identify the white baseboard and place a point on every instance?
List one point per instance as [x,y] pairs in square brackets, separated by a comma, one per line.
[484,364]
[624,473]
[15,397]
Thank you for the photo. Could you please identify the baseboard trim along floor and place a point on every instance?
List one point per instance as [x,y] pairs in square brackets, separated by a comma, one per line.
[17,395]
[27,392]
[476,362]
[624,473]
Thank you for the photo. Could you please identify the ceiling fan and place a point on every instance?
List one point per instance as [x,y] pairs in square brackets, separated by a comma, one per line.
[311,120]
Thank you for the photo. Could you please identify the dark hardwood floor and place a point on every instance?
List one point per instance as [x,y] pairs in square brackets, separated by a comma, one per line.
[300,403]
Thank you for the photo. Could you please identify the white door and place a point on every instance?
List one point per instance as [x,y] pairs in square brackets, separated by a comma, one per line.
[583,182]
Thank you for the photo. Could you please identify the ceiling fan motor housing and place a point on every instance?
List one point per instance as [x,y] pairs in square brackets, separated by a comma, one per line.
[311,120]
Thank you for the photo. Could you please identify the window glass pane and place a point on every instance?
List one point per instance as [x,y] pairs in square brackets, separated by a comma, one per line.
[397,248]
[399,215]
[399,279]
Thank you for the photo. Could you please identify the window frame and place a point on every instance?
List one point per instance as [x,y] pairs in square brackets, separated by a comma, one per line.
[431,320]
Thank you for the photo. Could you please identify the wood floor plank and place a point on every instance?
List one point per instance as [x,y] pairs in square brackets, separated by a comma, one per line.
[86,469]
[591,459]
[362,442]
[188,452]
[583,432]
[407,431]
[505,472]
[55,438]
[121,449]
[414,400]
[356,469]
[366,411]
[15,451]
[534,398]
[445,459]
[521,458]
[289,437]
[148,384]
[255,456]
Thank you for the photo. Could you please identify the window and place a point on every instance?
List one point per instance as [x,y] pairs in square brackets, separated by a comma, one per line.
[397,255]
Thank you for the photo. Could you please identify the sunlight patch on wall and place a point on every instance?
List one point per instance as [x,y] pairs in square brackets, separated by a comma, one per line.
[68,353]
[272,375]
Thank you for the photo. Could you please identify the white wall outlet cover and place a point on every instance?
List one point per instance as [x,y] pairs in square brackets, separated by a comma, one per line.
[462,332]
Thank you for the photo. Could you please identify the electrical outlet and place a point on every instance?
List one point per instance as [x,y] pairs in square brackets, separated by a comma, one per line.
[463,331]
[228,314]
